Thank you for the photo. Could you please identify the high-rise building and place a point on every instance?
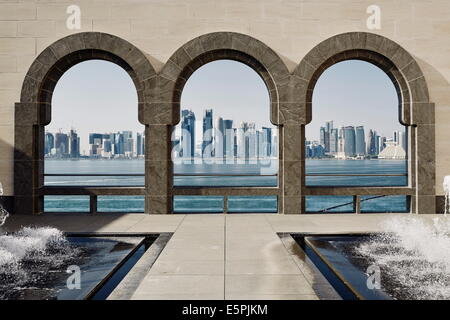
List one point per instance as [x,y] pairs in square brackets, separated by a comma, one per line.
[119,144]
[61,143]
[380,145]
[341,143]
[49,142]
[229,139]
[395,137]
[334,140]
[372,141]
[242,144]
[207,133]
[267,142]
[74,144]
[360,143]
[219,138]
[323,133]
[251,141]
[188,134]
[328,129]
[349,141]
[128,143]
[274,146]
[139,144]
[402,140]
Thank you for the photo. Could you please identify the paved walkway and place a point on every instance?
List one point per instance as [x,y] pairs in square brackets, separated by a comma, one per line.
[223,256]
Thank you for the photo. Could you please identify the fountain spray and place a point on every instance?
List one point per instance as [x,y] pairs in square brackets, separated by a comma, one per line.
[446,185]
[3,213]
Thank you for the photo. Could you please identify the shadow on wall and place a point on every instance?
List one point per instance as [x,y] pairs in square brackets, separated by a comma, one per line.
[438,86]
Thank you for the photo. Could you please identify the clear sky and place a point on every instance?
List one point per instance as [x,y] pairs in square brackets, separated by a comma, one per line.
[99,96]
[94,96]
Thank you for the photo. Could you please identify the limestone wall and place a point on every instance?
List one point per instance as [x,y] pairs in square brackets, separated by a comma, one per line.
[160,27]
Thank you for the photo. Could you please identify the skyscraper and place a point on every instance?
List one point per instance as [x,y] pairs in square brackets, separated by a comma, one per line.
[119,144]
[49,142]
[372,141]
[188,134]
[74,144]
[380,145]
[128,143]
[360,143]
[267,142]
[242,147]
[323,132]
[207,133]
[402,140]
[349,141]
[219,138]
[328,129]
[251,141]
[61,143]
[341,143]
[228,139]
[139,144]
[334,139]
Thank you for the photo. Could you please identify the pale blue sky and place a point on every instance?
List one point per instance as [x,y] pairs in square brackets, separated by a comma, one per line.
[99,96]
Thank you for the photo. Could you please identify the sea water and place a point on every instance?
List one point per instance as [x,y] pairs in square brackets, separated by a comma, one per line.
[215,204]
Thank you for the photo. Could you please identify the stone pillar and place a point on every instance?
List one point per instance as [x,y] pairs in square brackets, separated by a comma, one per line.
[425,165]
[293,168]
[28,165]
[157,118]
[158,169]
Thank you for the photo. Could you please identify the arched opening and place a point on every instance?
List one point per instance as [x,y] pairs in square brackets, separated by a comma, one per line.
[94,138]
[355,139]
[225,139]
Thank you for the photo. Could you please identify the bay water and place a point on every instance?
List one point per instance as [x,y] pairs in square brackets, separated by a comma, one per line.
[263,174]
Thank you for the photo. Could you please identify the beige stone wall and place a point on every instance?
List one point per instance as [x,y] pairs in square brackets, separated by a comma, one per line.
[159,27]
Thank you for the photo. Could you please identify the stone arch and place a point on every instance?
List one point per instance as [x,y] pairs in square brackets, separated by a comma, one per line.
[34,110]
[415,108]
[164,110]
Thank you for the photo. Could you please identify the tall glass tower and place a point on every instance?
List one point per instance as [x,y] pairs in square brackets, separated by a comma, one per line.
[219,138]
[349,141]
[228,139]
[267,144]
[188,133]
[360,141]
[49,142]
[334,139]
[207,133]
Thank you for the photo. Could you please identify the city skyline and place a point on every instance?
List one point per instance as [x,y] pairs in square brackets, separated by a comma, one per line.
[120,144]
[220,139]
[353,142]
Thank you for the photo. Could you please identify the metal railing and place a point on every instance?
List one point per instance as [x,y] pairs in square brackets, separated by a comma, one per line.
[93,191]
[373,192]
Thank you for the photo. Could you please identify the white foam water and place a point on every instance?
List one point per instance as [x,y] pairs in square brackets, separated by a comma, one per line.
[27,256]
[415,254]
[30,245]
[29,240]
[3,213]
[446,186]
